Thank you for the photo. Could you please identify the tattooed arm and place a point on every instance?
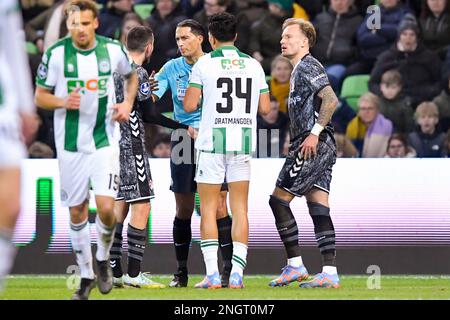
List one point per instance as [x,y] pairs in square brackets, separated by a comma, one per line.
[329,102]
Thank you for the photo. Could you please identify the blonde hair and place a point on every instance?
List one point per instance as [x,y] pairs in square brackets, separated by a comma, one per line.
[370,97]
[305,26]
[427,108]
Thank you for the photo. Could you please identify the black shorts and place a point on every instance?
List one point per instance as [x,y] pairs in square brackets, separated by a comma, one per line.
[182,169]
[298,177]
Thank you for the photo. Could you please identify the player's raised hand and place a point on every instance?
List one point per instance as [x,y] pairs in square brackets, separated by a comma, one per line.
[122,111]
[153,82]
[308,148]
[72,101]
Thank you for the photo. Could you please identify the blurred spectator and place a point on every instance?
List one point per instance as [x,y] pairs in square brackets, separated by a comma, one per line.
[369,130]
[312,7]
[342,116]
[393,104]
[33,8]
[446,153]
[45,133]
[344,146]
[211,7]
[265,33]
[427,141]
[47,27]
[130,21]
[253,9]
[420,68]
[191,7]
[362,5]
[398,147]
[443,103]
[163,21]
[435,25]
[446,69]
[281,69]
[272,130]
[161,146]
[336,39]
[39,150]
[111,18]
[373,41]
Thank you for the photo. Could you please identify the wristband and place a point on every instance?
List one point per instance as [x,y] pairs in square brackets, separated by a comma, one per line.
[317,129]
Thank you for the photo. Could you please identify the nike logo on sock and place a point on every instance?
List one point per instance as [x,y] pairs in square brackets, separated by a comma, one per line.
[225,245]
[179,244]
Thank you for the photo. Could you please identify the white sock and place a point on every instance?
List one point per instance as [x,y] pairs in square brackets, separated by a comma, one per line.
[81,244]
[8,253]
[239,260]
[209,250]
[329,269]
[105,237]
[295,262]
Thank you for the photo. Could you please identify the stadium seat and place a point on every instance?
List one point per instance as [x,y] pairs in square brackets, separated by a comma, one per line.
[353,87]
[31,48]
[143,10]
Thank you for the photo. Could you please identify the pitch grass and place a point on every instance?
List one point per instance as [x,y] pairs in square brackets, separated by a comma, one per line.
[353,287]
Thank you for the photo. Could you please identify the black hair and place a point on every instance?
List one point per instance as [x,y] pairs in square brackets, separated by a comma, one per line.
[223,26]
[138,38]
[196,27]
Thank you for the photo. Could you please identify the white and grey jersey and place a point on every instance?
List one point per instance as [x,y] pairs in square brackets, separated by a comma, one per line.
[307,79]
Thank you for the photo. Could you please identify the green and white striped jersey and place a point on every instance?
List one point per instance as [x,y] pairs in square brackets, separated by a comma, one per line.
[65,68]
[231,84]
[16,93]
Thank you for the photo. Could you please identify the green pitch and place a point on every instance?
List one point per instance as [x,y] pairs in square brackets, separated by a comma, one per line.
[353,287]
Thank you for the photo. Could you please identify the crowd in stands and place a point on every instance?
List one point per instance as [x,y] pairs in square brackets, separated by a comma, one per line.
[389,64]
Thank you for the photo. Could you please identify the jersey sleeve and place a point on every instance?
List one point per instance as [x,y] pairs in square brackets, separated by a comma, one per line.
[263,86]
[163,81]
[13,44]
[124,66]
[196,79]
[317,78]
[144,86]
[47,72]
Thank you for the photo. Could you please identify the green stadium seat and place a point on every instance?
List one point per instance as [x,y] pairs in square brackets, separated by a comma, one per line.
[353,87]
[143,10]
[31,48]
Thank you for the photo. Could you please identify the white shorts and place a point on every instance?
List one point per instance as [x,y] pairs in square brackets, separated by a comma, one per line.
[77,170]
[213,168]
[12,150]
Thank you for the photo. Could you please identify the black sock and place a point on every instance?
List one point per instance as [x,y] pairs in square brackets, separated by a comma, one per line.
[286,226]
[182,236]
[115,254]
[324,230]
[225,241]
[136,248]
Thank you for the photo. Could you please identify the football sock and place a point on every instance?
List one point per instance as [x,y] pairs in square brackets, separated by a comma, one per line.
[239,257]
[324,230]
[295,262]
[8,252]
[182,236]
[209,249]
[286,226]
[225,241]
[136,248]
[116,252]
[329,270]
[81,244]
[104,239]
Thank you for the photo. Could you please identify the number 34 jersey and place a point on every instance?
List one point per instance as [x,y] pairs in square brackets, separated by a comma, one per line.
[231,84]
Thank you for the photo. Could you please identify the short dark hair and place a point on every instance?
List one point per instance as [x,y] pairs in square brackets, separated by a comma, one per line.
[223,26]
[392,77]
[138,38]
[196,27]
[83,5]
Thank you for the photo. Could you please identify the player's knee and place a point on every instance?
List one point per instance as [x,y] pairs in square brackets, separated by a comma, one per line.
[277,203]
[184,212]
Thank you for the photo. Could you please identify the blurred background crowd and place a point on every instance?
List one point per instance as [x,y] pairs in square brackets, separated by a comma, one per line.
[389,65]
